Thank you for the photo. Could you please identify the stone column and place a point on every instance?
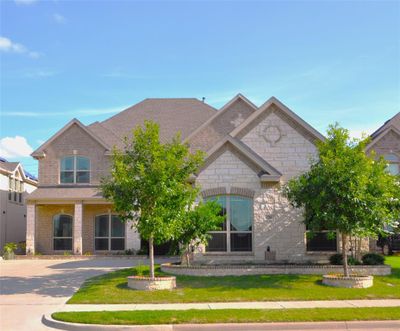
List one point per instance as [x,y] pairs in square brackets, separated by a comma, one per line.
[77,228]
[132,237]
[30,228]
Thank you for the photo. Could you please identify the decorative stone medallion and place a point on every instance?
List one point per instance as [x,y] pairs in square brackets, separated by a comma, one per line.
[272,134]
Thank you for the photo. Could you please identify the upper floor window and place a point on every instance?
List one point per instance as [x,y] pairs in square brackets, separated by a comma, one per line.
[393,163]
[15,189]
[235,233]
[75,169]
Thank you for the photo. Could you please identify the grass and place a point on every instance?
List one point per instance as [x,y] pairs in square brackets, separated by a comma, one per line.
[146,317]
[112,288]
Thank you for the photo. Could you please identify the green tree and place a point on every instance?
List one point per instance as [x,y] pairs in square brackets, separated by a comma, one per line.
[346,190]
[205,217]
[150,184]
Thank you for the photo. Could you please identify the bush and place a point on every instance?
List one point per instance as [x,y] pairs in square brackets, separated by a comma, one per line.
[337,259]
[373,259]
[10,248]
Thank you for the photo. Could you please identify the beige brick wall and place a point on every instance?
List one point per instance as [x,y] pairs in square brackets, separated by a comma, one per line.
[73,139]
[390,143]
[44,225]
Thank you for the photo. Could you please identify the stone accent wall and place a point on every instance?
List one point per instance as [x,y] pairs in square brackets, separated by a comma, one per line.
[73,139]
[238,270]
[289,153]
[226,171]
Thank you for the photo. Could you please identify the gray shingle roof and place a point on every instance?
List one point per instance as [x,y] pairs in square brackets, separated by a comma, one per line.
[173,115]
[65,193]
[395,121]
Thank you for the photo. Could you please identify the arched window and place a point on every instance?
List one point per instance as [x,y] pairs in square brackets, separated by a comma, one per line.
[235,233]
[109,233]
[62,232]
[393,163]
[74,169]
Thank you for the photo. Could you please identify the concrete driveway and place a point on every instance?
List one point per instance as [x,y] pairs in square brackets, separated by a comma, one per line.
[31,288]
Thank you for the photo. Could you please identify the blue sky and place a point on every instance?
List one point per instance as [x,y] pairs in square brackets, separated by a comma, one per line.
[327,60]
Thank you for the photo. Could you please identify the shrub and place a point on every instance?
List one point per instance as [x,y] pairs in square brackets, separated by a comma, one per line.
[337,259]
[373,259]
[10,248]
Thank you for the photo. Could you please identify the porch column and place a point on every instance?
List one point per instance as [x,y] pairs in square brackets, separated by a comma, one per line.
[132,237]
[77,228]
[30,228]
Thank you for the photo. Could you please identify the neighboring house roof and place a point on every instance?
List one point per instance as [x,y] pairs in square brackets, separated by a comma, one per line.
[181,114]
[65,193]
[9,168]
[394,121]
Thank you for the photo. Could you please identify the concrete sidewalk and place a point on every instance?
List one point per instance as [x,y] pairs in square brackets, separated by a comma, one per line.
[235,305]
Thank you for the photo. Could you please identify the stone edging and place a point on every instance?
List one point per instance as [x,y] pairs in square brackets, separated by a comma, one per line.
[237,270]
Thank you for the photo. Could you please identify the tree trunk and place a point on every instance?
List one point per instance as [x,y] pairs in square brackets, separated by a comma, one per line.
[344,254]
[151,256]
[188,256]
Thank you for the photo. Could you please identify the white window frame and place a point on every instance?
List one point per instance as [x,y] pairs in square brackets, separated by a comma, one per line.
[228,230]
[109,237]
[75,170]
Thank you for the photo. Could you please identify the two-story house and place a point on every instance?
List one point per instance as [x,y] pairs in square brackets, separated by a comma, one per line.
[15,185]
[251,152]
[385,141]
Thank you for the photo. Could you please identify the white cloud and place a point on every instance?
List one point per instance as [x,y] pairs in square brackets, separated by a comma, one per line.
[73,113]
[11,147]
[7,45]
[40,73]
[25,2]
[58,18]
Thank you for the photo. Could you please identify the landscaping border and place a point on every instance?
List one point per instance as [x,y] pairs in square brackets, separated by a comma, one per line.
[272,269]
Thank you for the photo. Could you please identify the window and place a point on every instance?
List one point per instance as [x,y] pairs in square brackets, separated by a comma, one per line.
[74,169]
[15,189]
[109,233]
[321,242]
[393,163]
[62,232]
[235,233]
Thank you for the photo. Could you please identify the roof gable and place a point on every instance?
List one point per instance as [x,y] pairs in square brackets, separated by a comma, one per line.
[238,97]
[40,152]
[280,108]
[382,134]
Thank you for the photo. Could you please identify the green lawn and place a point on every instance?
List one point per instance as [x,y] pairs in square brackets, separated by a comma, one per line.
[112,288]
[147,317]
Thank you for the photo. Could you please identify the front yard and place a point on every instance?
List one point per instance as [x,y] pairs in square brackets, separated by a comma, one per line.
[112,289]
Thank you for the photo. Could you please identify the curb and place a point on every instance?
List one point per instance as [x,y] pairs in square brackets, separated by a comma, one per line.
[52,323]
[271,326]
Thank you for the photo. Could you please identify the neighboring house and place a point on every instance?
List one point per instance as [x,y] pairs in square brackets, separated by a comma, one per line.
[251,152]
[386,143]
[15,185]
